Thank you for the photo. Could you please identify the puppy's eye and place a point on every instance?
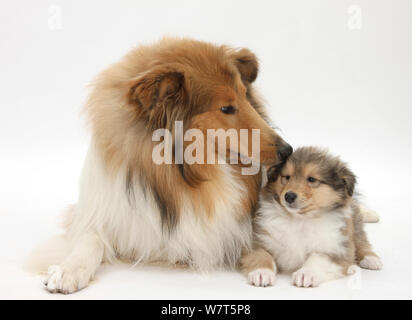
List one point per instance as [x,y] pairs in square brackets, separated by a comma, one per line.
[311,179]
[228,109]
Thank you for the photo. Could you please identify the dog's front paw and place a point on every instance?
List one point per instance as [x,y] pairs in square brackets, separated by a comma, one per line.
[371,262]
[305,278]
[262,277]
[66,280]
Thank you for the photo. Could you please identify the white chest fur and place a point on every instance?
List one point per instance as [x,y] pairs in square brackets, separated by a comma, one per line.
[291,239]
[135,231]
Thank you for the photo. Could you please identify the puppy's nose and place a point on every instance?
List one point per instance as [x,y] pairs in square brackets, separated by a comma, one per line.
[290,196]
[285,151]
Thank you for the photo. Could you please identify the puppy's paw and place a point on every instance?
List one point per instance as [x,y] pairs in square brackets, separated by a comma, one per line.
[305,278]
[262,277]
[66,280]
[371,262]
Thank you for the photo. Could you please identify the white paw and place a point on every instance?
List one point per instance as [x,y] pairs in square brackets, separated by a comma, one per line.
[262,277]
[371,262]
[54,276]
[66,281]
[305,278]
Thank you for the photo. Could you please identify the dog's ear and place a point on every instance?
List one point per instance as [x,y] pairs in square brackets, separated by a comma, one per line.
[247,64]
[349,180]
[156,94]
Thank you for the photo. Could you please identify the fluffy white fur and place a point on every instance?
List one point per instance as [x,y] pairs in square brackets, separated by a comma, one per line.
[104,226]
[294,242]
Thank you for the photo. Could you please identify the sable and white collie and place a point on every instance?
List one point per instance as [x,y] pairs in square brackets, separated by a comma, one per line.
[307,222]
[130,208]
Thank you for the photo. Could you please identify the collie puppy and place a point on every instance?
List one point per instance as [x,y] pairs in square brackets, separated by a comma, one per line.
[308,223]
[131,208]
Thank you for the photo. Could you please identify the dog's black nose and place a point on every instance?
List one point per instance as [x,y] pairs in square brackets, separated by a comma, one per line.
[285,151]
[290,196]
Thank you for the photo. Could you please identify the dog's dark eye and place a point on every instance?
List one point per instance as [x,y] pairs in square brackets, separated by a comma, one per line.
[287,177]
[228,109]
[311,179]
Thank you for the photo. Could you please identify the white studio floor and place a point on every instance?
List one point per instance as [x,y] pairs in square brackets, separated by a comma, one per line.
[32,216]
[121,282]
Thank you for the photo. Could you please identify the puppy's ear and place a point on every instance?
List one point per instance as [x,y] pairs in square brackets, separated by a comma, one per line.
[156,95]
[349,180]
[247,64]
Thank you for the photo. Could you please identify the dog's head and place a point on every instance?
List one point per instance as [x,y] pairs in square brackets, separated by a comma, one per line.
[207,87]
[311,181]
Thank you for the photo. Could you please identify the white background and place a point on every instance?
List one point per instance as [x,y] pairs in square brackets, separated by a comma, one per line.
[325,84]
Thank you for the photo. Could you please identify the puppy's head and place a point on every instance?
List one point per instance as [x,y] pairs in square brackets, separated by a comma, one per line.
[311,181]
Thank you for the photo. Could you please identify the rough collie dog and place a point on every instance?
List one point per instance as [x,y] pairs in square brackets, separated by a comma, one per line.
[308,223]
[132,209]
